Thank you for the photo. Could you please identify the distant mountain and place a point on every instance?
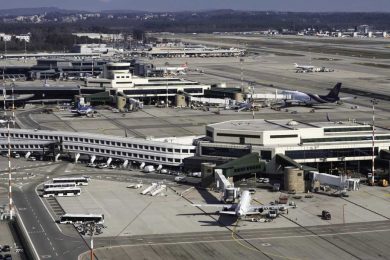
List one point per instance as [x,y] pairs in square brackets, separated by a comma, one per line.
[34,11]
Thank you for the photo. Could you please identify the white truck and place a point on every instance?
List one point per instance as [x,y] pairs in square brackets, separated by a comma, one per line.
[180,179]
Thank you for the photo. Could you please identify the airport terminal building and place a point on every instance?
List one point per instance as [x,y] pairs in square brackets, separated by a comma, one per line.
[305,143]
[272,141]
[117,78]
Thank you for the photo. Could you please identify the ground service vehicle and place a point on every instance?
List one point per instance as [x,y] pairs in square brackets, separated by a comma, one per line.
[80,218]
[62,192]
[59,185]
[326,215]
[78,180]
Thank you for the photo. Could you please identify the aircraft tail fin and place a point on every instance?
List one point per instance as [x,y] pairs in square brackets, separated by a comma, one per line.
[296,64]
[334,93]
[78,106]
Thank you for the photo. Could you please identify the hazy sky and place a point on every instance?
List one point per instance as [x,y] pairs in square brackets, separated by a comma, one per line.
[177,5]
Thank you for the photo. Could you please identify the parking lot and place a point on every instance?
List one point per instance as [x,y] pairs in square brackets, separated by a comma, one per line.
[9,243]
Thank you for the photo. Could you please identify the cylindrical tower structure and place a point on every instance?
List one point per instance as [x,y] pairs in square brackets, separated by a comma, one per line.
[293,179]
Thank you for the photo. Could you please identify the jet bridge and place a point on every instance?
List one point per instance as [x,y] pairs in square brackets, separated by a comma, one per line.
[230,193]
[340,183]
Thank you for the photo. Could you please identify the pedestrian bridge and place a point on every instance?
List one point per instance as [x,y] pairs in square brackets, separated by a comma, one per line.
[159,152]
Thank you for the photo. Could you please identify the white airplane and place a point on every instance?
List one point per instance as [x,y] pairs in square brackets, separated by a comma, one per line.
[244,208]
[83,110]
[173,70]
[297,98]
[3,122]
[304,67]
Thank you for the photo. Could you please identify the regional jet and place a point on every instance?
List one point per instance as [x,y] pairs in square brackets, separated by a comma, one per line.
[83,110]
[244,208]
[308,68]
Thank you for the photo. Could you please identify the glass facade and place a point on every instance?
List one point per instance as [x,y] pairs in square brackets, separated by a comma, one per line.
[238,135]
[331,153]
[225,152]
[283,136]
[345,139]
[347,129]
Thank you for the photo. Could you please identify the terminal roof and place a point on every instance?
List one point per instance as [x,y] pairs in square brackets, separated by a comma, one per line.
[285,124]
[260,125]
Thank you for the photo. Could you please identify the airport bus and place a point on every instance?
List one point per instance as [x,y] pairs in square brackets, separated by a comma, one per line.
[59,185]
[80,218]
[61,192]
[78,180]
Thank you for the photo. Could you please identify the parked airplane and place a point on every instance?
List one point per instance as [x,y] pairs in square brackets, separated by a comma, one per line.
[174,70]
[83,110]
[240,106]
[244,208]
[304,67]
[310,68]
[3,122]
[309,99]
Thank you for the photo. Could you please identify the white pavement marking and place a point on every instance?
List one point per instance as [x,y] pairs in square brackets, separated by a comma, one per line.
[28,237]
[252,239]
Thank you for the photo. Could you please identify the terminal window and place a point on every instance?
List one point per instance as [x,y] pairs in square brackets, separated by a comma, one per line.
[283,136]
[331,153]
[224,152]
[266,155]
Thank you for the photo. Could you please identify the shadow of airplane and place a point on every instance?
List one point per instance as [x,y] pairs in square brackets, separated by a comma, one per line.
[222,221]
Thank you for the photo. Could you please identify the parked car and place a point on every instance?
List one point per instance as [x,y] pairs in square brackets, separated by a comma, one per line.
[6,248]
[15,155]
[180,179]
[252,190]
[102,165]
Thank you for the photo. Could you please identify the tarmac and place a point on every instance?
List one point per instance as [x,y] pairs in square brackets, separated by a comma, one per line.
[167,226]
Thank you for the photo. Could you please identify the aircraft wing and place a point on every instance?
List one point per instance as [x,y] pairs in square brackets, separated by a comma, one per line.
[259,208]
[347,98]
[252,213]
[227,212]
[292,102]
[215,205]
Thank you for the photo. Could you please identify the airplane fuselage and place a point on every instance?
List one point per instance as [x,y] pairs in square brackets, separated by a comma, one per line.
[244,205]
[307,98]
